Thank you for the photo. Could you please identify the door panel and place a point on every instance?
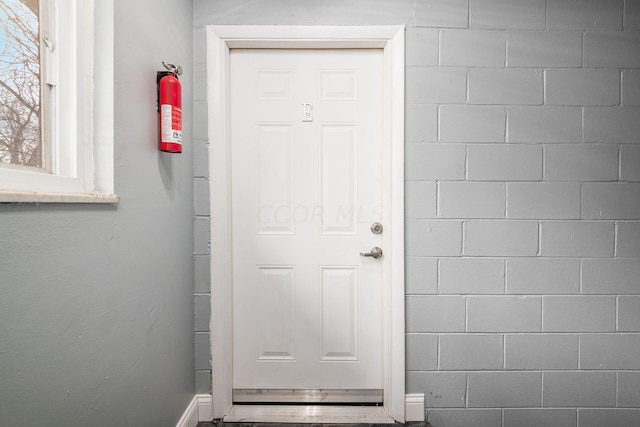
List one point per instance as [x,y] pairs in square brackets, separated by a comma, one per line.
[305,189]
[338,178]
[339,311]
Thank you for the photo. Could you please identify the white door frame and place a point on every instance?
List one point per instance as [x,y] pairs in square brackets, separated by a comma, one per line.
[220,39]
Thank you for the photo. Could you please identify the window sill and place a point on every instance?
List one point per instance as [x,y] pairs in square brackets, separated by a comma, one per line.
[25,197]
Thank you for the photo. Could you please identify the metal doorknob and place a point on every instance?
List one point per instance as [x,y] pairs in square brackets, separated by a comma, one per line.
[375,253]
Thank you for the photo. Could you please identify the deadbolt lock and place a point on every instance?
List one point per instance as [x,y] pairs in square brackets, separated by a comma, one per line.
[376,228]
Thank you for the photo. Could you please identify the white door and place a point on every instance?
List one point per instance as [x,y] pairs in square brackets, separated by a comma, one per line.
[306,187]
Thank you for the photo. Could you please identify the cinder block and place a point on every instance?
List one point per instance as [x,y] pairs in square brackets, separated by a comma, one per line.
[609,351]
[414,381]
[539,417]
[433,162]
[421,48]
[471,200]
[628,390]
[200,158]
[441,389]
[629,314]
[611,201]
[330,12]
[468,48]
[420,199]
[202,206]
[523,352]
[202,351]
[631,87]
[630,163]
[612,124]
[544,49]
[433,238]
[612,49]
[582,87]
[202,274]
[571,389]
[632,15]
[505,14]
[628,240]
[584,14]
[465,417]
[611,276]
[544,124]
[434,85]
[505,162]
[421,275]
[543,276]
[421,123]
[471,276]
[422,352]
[608,417]
[435,314]
[581,162]
[501,238]
[202,307]
[505,389]
[577,239]
[200,82]
[541,200]
[471,352]
[200,45]
[200,121]
[203,382]
[578,314]
[504,314]
[467,123]
[442,13]
[506,86]
[202,233]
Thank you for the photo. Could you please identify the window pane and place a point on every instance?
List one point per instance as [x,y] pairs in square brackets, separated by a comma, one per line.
[20,130]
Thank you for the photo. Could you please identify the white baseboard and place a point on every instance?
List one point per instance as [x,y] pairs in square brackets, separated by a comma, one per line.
[205,407]
[190,416]
[200,409]
[414,407]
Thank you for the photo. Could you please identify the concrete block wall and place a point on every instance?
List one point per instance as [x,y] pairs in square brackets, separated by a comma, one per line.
[202,231]
[522,202]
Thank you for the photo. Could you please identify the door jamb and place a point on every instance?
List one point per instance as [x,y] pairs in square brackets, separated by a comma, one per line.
[222,38]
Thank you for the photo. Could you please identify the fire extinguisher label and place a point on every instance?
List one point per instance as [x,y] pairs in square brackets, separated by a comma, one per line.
[171,123]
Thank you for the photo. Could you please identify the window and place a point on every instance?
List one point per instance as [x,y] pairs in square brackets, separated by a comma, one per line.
[20,129]
[56,101]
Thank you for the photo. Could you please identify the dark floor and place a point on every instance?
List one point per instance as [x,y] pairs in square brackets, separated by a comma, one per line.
[222,424]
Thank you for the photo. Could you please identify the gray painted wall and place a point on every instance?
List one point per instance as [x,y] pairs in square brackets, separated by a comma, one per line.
[96,302]
[522,202]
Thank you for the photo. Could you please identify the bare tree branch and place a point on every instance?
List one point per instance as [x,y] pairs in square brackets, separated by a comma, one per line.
[32,5]
[20,141]
[30,106]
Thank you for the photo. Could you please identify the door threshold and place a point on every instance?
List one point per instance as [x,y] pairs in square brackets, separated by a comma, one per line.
[308,396]
[308,414]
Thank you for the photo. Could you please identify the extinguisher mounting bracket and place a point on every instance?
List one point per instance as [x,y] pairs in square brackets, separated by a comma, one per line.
[172,68]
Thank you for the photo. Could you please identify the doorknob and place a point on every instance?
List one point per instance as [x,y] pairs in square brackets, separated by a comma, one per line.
[375,253]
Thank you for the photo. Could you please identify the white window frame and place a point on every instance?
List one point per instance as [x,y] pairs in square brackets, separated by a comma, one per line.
[80,116]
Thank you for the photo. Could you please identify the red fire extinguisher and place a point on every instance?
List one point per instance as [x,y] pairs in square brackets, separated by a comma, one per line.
[169,109]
